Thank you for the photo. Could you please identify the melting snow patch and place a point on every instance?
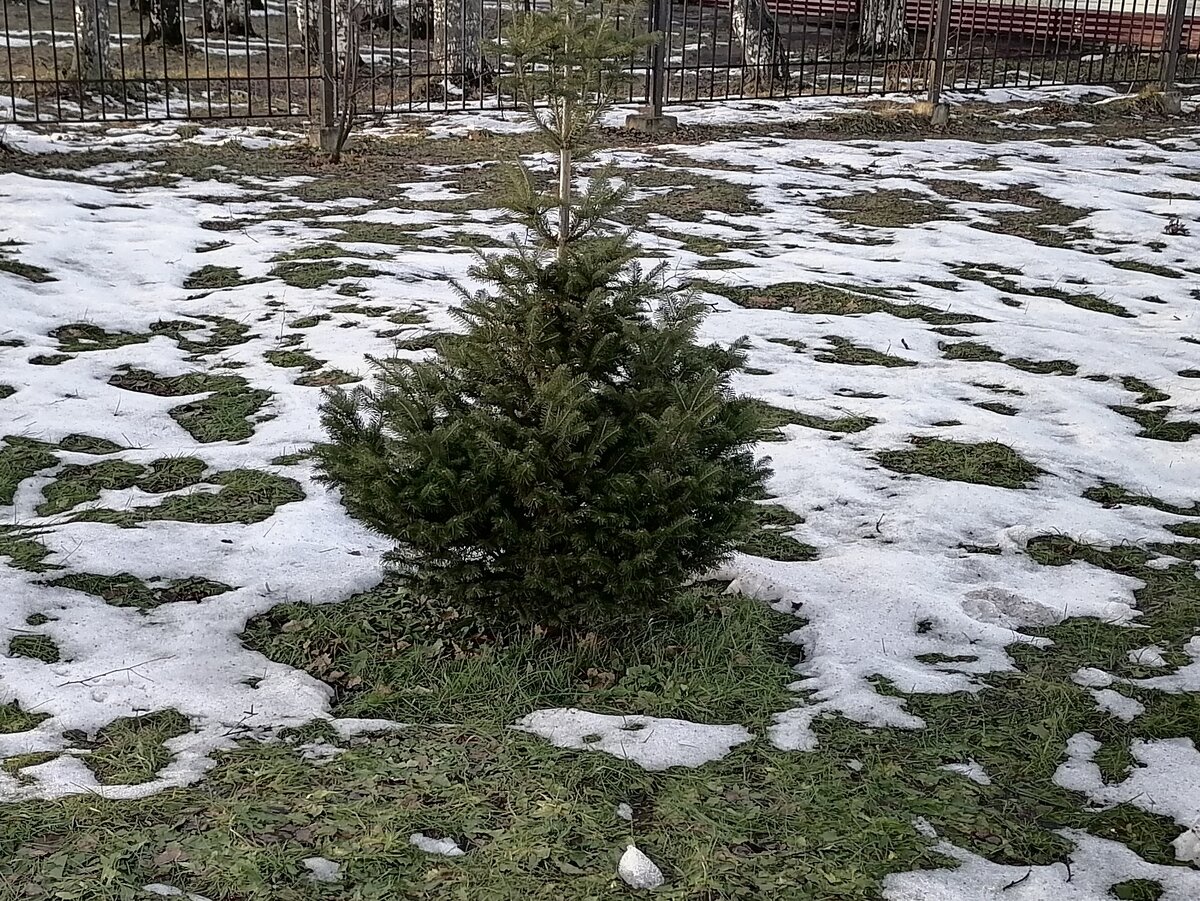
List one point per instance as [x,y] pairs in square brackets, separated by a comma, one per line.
[446,847]
[1116,704]
[321,869]
[1166,782]
[1096,865]
[625,812]
[1148,656]
[637,870]
[971,770]
[350,727]
[1090,677]
[650,742]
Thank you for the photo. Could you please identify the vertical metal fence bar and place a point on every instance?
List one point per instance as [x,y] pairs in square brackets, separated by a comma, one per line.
[1171,42]
[187,81]
[660,12]
[8,51]
[327,63]
[54,57]
[941,43]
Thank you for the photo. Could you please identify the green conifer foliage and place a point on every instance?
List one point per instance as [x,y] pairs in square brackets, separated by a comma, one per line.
[574,456]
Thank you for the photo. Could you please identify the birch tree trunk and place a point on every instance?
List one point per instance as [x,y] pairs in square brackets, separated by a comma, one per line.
[228,17]
[420,19]
[882,25]
[458,43]
[91,39]
[763,52]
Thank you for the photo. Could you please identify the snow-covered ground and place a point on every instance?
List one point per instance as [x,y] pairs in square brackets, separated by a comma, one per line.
[895,581]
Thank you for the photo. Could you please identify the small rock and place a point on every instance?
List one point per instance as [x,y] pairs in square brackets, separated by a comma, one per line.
[638,871]
[321,869]
[625,812]
[447,847]
[1187,846]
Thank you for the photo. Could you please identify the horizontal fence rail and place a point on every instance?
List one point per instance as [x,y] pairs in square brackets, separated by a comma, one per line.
[248,59]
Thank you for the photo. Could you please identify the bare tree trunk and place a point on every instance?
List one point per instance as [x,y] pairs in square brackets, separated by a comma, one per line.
[882,25]
[765,58]
[228,17]
[166,22]
[91,39]
[420,19]
[458,43]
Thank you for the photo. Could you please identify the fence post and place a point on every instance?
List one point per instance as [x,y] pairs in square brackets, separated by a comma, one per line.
[1172,39]
[939,112]
[650,117]
[324,133]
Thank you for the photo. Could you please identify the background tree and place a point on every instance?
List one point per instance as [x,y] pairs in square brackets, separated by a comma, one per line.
[763,52]
[91,40]
[882,25]
[575,456]
[458,43]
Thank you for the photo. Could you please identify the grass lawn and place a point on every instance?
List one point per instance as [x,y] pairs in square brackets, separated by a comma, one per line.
[964,633]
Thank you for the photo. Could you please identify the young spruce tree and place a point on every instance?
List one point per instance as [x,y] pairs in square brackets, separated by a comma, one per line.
[573,457]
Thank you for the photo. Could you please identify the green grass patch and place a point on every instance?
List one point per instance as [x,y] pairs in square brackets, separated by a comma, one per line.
[886,208]
[293,359]
[82,336]
[224,415]
[1147,268]
[212,278]
[327,378]
[988,463]
[774,418]
[323,251]
[14,719]
[357,232]
[976,352]
[684,196]
[22,549]
[310,321]
[987,274]
[818,299]
[77,484]
[89,444]
[223,333]
[1148,394]
[130,750]
[20,459]
[317,274]
[846,352]
[1156,426]
[1110,495]
[27,271]
[708,657]
[6,391]
[171,474]
[37,647]
[770,538]
[126,590]
[996,406]
[245,495]
[49,359]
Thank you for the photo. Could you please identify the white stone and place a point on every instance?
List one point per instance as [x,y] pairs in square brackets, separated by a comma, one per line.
[1187,846]
[321,869]
[638,871]
[446,847]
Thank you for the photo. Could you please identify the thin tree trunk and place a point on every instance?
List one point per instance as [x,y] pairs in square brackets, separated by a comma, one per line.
[458,43]
[166,22]
[91,40]
[765,58]
[881,25]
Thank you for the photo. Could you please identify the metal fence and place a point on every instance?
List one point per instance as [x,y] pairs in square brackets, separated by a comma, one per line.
[170,59]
